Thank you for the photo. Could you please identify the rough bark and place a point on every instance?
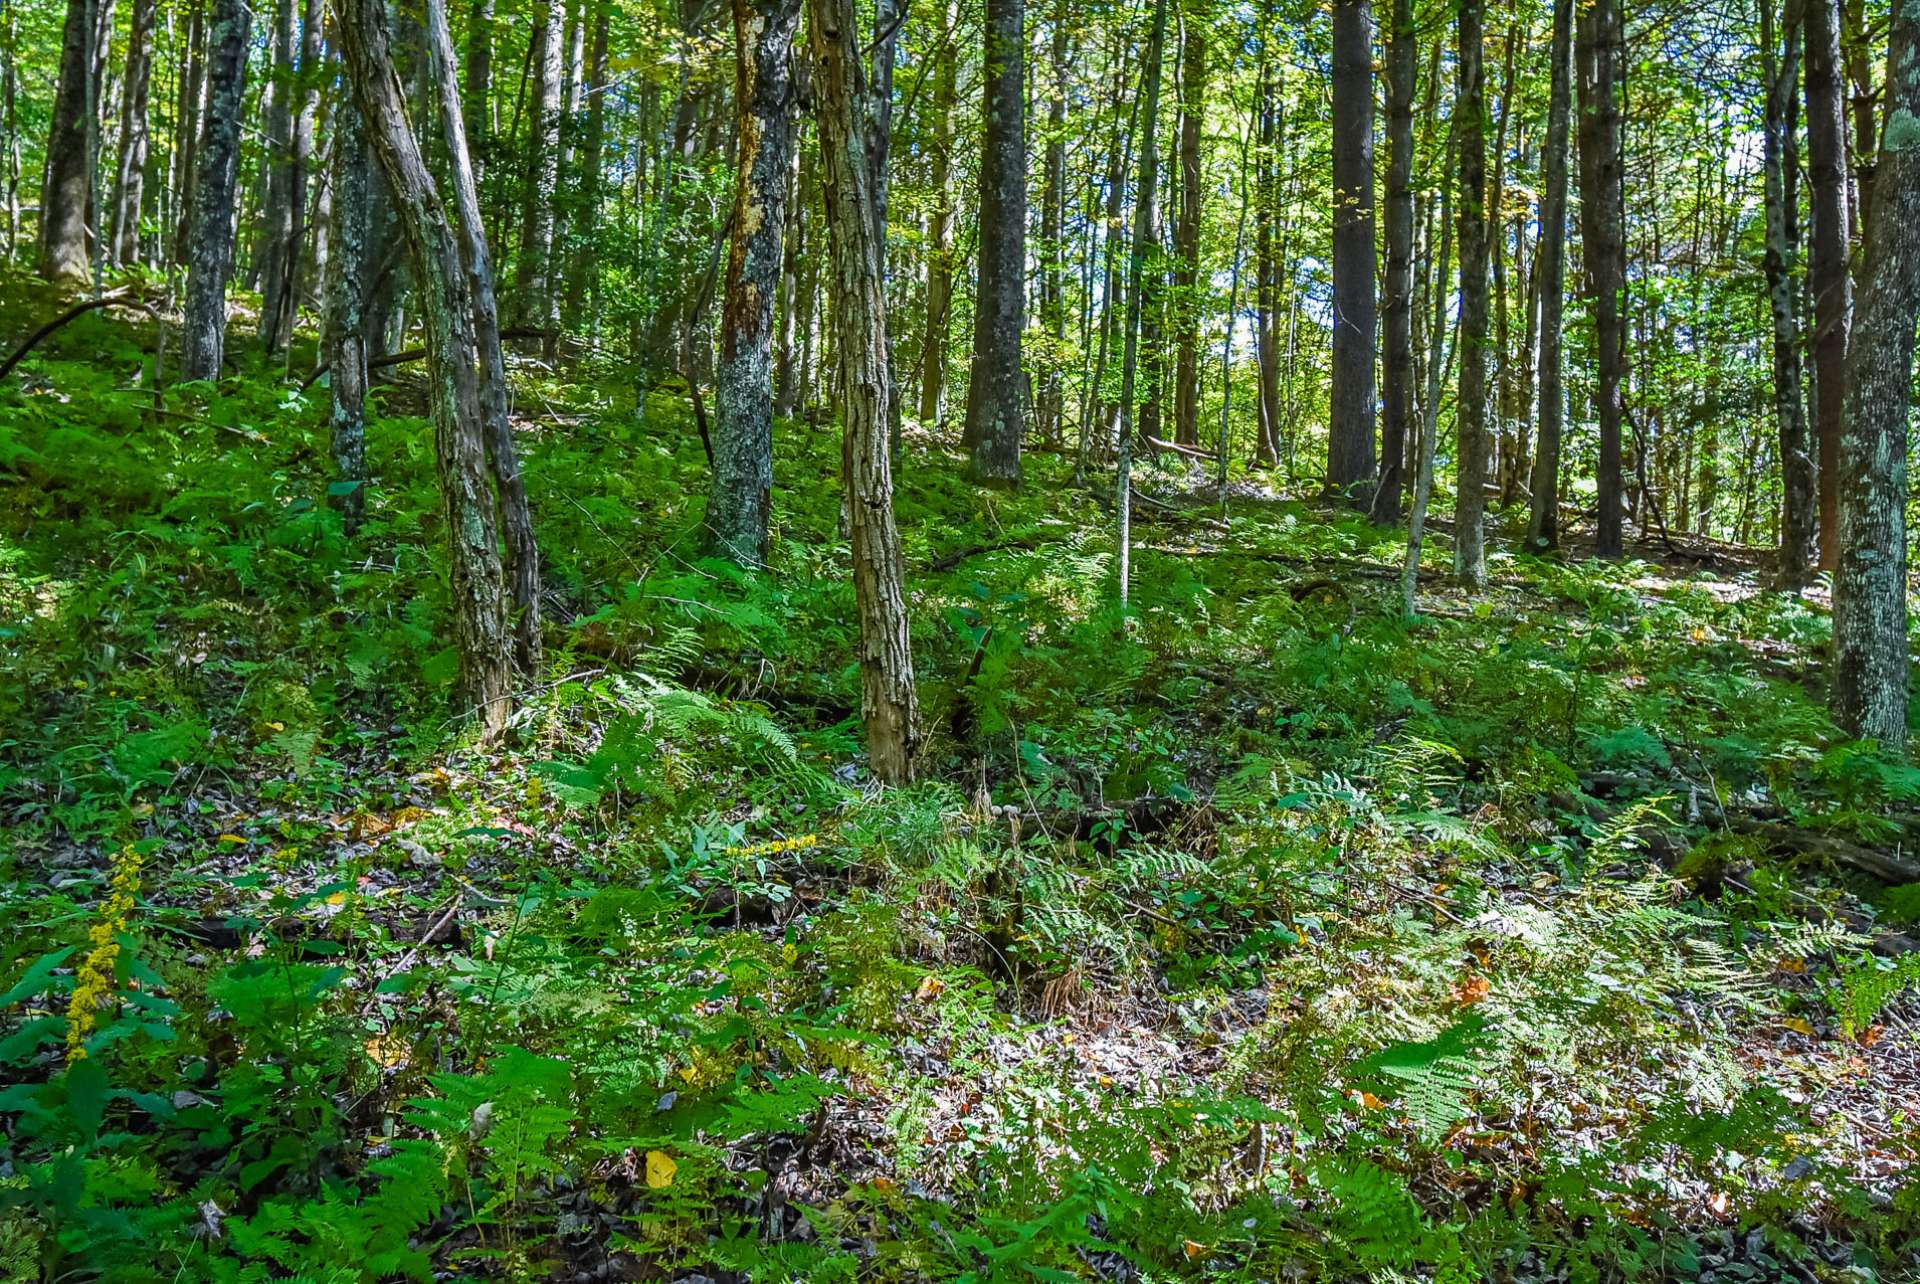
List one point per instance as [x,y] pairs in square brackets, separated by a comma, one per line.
[1470,414]
[1599,53]
[476,260]
[482,634]
[1396,401]
[1350,452]
[130,173]
[740,497]
[1827,275]
[1186,232]
[68,189]
[1871,659]
[210,257]
[1550,264]
[996,387]
[889,706]
[1268,250]
[1781,71]
[346,335]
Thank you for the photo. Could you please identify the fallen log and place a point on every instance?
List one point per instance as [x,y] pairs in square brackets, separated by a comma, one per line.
[1888,867]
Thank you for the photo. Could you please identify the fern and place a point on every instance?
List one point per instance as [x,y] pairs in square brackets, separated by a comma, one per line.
[1866,988]
[1435,1077]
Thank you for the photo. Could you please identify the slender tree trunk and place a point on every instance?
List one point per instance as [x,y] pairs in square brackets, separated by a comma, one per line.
[933,356]
[1470,415]
[1871,656]
[1350,453]
[1796,459]
[130,175]
[1269,247]
[533,281]
[1856,39]
[1143,245]
[741,496]
[1403,66]
[889,706]
[210,262]
[592,144]
[1053,249]
[482,632]
[189,116]
[1186,232]
[1550,259]
[68,190]
[1502,442]
[1599,51]
[1430,410]
[1827,274]
[277,241]
[996,388]
[348,265]
[477,88]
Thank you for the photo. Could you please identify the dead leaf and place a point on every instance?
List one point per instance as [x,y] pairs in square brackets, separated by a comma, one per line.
[930,986]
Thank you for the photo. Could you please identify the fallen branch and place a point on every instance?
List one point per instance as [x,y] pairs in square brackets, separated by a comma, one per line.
[1883,865]
[107,300]
[953,559]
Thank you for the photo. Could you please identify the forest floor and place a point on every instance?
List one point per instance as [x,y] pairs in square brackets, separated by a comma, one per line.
[1259,934]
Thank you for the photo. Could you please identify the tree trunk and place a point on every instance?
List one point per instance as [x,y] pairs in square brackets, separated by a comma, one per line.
[889,706]
[933,354]
[1871,658]
[996,388]
[1143,245]
[348,266]
[189,115]
[276,245]
[533,282]
[1397,356]
[1550,263]
[481,630]
[742,489]
[130,175]
[1781,72]
[1053,248]
[593,142]
[1186,232]
[1827,274]
[210,258]
[1350,454]
[477,89]
[1430,411]
[68,189]
[1599,52]
[1470,415]
[1268,250]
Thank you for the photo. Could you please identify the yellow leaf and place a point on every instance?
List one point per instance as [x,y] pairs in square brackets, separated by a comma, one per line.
[276,726]
[1192,1249]
[338,898]
[660,1169]
[789,951]
[929,987]
[1798,1025]
[235,839]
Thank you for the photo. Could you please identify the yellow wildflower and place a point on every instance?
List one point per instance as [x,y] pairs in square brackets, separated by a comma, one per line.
[94,982]
[777,846]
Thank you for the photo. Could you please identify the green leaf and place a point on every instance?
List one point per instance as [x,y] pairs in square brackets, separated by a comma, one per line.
[37,978]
